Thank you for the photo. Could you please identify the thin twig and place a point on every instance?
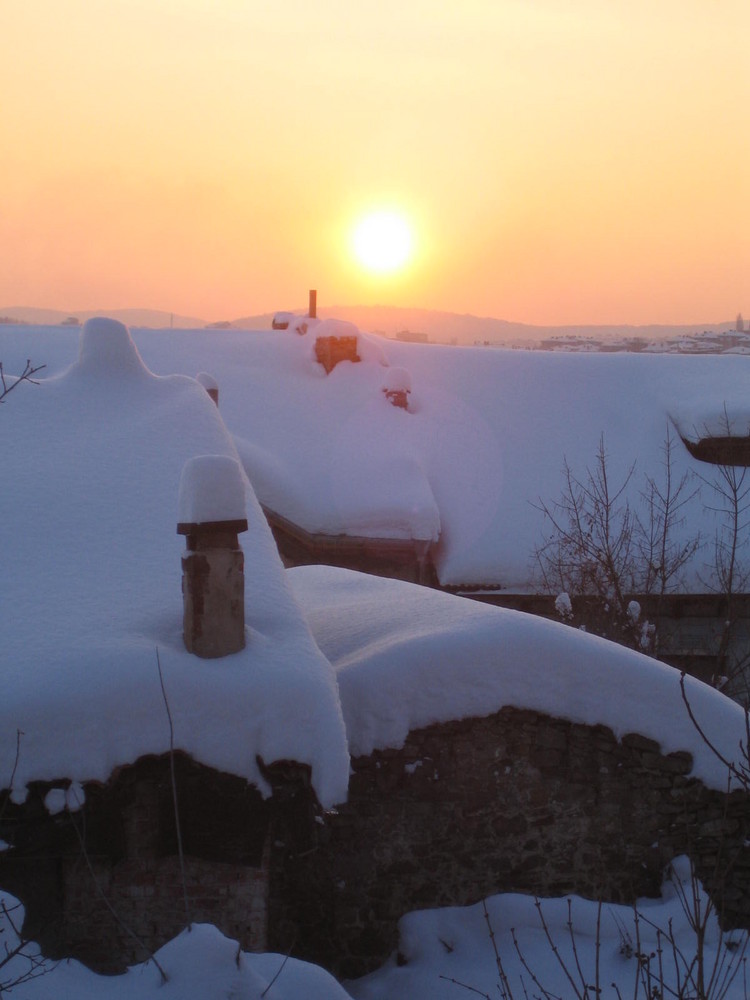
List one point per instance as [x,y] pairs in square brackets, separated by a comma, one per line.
[525,964]
[455,982]
[571,933]
[555,949]
[504,984]
[281,969]
[598,946]
[180,853]
[128,930]
[741,773]
[38,965]
[19,734]
[27,375]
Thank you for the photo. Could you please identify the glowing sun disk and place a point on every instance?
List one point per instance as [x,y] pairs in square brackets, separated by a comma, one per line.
[382,241]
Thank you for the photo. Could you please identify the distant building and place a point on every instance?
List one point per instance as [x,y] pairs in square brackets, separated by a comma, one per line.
[740,324]
[412,337]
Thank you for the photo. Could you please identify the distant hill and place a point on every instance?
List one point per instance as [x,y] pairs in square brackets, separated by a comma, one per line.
[151,318]
[440,327]
[466,329]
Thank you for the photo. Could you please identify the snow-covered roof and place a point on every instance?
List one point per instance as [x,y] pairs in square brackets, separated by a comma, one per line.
[483,441]
[90,570]
[407,657]
[90,584]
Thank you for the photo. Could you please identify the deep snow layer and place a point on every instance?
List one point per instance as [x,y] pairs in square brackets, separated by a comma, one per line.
[91,564]
[484,440]
[407,657]
[90,589]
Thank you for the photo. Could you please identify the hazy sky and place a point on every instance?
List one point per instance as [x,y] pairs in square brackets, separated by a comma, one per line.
[558,160]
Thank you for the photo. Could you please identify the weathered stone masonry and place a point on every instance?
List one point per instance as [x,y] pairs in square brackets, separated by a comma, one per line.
[131,851]
[516,801]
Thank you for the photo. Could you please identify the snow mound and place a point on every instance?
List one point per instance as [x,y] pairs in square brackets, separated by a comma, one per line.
[212,488]
[370,351]
[336,328]
[207,381]
[727,416]
[397,380]
[90,584]
[407,657]
[440,948]
[107,348]
[199,964]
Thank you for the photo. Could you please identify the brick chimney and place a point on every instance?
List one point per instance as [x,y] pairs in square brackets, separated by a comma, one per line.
[212,514]
[336,340]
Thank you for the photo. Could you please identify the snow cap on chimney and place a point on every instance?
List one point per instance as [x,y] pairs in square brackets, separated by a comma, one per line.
[212,488]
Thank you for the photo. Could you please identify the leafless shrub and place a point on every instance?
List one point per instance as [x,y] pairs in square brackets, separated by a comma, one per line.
[602,554]
[10,382]
[661,556]
[591,551]
[728,488]
[20,958]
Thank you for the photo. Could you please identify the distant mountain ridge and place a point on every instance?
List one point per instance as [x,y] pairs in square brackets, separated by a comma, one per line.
[151,318]
[439,326]
[467,329]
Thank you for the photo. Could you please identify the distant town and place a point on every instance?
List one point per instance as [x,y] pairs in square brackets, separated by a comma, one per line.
[736,341]
[422,326]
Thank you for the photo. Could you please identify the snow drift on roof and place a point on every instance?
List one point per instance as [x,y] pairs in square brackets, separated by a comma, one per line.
[484,440]
[407,657]
[90,583]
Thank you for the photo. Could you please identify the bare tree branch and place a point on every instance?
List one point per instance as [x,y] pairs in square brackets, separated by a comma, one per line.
[9,382]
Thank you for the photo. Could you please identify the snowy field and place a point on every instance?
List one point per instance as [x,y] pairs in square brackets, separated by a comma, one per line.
[335,661]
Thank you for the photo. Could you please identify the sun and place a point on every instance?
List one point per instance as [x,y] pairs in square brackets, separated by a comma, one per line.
[382,241]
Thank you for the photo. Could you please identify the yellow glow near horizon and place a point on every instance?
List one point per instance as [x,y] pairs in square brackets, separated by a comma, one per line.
[383,241]
[572,163]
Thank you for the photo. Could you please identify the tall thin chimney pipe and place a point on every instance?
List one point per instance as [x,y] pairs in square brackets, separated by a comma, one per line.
[312,311]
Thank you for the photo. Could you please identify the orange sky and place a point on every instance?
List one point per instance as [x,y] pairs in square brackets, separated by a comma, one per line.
[560,161]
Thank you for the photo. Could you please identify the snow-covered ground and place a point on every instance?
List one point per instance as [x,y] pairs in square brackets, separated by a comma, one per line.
[199,964]
[446,953]
[440,949]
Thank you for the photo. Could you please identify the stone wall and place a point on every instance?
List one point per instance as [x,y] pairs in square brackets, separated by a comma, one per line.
[148,898]
[90,878]
[516,801]
[513,802]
